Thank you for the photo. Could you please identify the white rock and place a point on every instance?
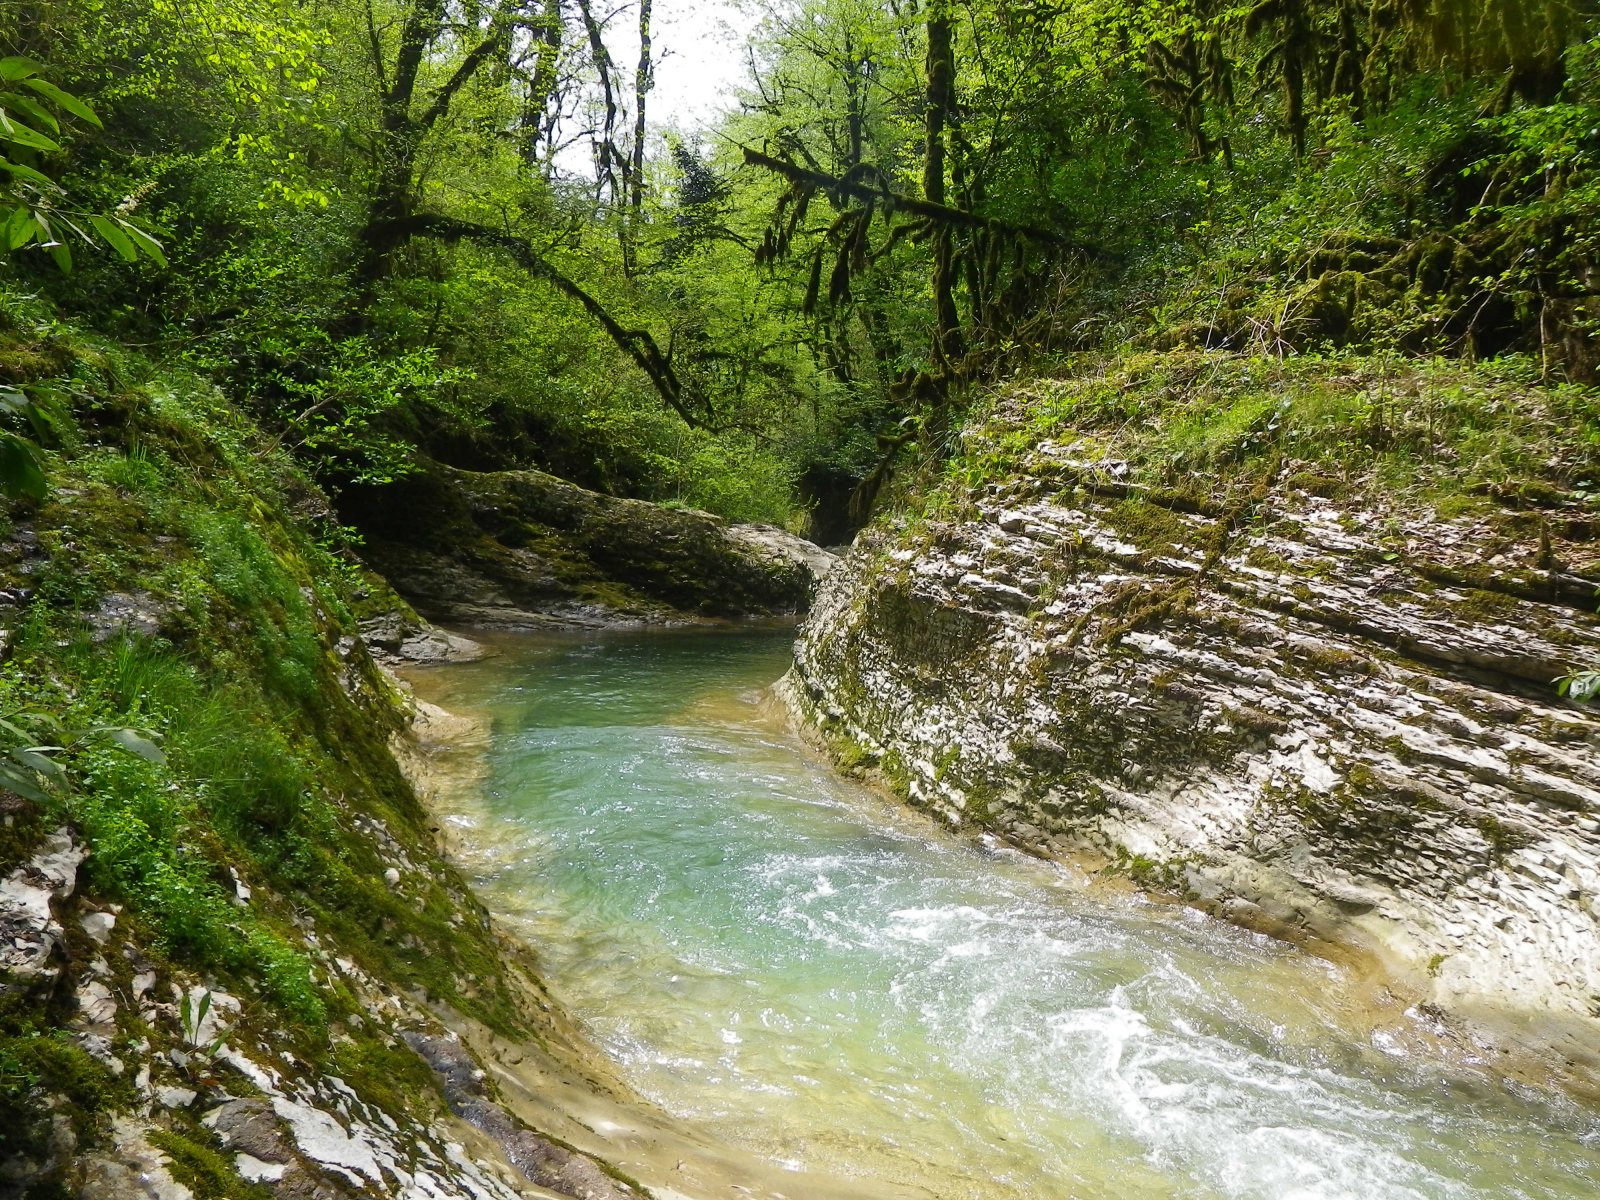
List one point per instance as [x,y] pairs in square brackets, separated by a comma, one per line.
[98,925]
[255,1170]
[175,1097]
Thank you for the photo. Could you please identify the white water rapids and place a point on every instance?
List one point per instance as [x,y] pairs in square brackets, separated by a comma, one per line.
[802,968]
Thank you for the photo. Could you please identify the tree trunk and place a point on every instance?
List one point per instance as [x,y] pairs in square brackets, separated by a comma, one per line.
[941,72]
[643,81]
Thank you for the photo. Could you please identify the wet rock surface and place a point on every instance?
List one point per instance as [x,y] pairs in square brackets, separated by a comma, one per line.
[522,549]
[538,1158]
[1329,721]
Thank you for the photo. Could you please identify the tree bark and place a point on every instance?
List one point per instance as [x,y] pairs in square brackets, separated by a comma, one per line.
[940,72]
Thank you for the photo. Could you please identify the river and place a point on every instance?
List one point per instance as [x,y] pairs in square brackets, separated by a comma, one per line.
[800,967]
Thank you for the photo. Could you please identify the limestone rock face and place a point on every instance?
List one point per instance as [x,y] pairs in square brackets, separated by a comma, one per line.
[29,931]
[1332,722]
[522,548]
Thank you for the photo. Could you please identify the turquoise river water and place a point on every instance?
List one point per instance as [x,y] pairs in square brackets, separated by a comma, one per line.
[803,968]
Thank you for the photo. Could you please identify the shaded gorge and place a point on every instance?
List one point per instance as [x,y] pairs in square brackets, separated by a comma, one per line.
[800,967]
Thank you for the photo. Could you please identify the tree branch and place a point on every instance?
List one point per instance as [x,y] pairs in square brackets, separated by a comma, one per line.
[469,67]
[860,188]
[639,344]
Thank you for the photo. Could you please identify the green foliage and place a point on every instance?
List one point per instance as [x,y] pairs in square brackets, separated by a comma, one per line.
[35,210]
[1283,177]
[350,405]
[1581,686]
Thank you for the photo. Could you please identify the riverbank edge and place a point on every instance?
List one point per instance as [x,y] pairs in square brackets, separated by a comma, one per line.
[568,1087]
[1480,1040]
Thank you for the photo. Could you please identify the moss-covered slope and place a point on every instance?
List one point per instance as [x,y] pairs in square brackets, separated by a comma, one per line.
[234,954]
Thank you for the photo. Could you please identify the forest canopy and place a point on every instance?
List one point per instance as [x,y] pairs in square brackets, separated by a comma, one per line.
[401,230]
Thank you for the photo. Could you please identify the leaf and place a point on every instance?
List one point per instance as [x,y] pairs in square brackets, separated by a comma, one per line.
[136,741]
[118,240]
[65,99]
[14,68]
[144,241]
[20,135]
[13,401]
[25,172]
[62,257]
[20,230]
[31,109]
[39,763]
[20,475]
[82,233]
[23,783]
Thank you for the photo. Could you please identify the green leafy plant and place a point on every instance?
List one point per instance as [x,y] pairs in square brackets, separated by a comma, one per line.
[347,422]
[192,1016]
[20,473]
[27,763]
[1581,686]
[35,210]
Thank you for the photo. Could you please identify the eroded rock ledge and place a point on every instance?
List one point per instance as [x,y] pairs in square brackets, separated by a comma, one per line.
[1330,721]
[514,549]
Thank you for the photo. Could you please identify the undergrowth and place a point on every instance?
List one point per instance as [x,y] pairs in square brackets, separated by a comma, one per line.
[1458,437]
[184,579]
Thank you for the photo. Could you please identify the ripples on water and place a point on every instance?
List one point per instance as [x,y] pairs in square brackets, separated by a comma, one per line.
[810,972]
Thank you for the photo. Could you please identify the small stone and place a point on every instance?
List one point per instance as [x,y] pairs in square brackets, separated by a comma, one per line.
[175,1097]
[392,876]
[98,926]
[255,1170]
[96,1005]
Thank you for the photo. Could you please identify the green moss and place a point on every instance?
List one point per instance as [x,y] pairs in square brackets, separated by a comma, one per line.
[204,1170]
[1455,438]
[1396,745]
[1254,720]
[1143,605]
[1152,874]
[1480,604]
[1149,525]
[1327,659]
[38,1061]
[387,1074]
[1450,507]
[981,807]
[1315,483]
[895,773]
[1503,839]
[1264,559]
[1361,777]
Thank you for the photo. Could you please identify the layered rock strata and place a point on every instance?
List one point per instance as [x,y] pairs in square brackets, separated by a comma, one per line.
[1330,721]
